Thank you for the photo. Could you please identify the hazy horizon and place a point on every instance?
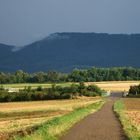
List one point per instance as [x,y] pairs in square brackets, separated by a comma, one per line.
[23,22]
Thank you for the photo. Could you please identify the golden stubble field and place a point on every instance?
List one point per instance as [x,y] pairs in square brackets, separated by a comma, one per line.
[132,111]
[22,115]
[116,85]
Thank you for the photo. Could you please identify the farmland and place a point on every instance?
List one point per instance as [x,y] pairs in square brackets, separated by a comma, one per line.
[132,107]
[30,118]
[34,85]
[128,110]
[109,85]
[21,116]
[116,85]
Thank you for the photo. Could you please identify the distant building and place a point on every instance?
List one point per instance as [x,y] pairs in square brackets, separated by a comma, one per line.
[11,90]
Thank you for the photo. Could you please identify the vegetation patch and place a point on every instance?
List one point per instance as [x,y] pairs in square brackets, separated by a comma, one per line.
[55,92]
[77,75]
[129,126]
[134,91]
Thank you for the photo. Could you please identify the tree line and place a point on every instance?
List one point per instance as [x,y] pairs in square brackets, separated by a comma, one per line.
[77,75]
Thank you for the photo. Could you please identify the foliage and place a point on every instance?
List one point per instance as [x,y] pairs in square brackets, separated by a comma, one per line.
[39,88]
[55,92]
[77,75]
[135,90]
[1,87]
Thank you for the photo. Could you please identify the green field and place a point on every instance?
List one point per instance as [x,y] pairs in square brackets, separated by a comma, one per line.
[109,85]
[34,85]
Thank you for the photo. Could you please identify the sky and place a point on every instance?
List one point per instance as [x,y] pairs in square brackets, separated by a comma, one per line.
[26,21]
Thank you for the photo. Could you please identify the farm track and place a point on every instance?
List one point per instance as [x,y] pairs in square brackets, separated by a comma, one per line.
[102,125]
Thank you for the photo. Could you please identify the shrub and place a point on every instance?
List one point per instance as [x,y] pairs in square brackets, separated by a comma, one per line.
[1,87]
[90,94]
[39,88]
[134,90]
[55,92]
[95,89]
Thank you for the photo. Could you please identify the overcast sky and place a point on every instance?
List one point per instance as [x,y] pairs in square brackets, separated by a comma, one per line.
[24,21]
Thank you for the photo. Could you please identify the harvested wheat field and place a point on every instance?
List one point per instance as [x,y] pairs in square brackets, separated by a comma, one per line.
[132,111]
[132,104]
[116,85]
[47,105]
[19,116]
[134,117]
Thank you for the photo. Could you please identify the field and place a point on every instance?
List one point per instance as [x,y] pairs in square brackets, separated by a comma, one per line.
[117,85]
[25,117]
[111,85]
[21,116]
[128,110]
[132,110]
[34,85]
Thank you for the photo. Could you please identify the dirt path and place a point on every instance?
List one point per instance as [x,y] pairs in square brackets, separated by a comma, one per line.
[102,125]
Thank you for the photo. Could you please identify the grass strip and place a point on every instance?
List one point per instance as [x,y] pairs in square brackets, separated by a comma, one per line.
[54,128]
[129,128]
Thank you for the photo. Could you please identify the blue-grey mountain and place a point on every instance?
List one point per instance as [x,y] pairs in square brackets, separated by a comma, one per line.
[66,51]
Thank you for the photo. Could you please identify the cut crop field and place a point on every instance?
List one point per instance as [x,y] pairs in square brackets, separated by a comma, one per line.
[20,116]
[109,85]
[132,104]
[115,85]
[132,110]
[128,110]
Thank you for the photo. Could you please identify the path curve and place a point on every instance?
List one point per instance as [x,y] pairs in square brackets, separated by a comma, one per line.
[102,125]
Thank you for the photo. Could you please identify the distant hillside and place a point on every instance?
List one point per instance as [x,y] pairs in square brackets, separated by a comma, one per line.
[65,51]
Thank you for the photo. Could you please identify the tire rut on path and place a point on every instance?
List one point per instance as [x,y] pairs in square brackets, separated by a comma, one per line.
[102,125]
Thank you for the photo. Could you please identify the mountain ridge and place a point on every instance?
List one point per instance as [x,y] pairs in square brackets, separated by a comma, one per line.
[66,51]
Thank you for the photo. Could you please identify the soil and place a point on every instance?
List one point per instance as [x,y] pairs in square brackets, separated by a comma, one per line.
[102,125]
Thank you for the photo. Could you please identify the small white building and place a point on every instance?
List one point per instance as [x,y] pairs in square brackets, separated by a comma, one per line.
[11,90]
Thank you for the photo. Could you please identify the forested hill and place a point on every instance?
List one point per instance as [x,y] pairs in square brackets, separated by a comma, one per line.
[66,51]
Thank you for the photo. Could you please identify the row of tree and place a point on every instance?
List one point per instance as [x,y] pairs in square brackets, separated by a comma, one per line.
[77,75]
[55,92]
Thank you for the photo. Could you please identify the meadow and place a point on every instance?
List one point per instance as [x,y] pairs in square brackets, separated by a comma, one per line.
[108,85]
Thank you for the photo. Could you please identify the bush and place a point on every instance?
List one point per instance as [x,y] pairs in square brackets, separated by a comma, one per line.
[39,88]
[90,94]
[1,87]
[55,92]
[134,90]
[27,88]
[94,89]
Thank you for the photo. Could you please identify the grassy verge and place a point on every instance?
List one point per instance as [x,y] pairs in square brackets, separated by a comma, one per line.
[130,129]
[54,128]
